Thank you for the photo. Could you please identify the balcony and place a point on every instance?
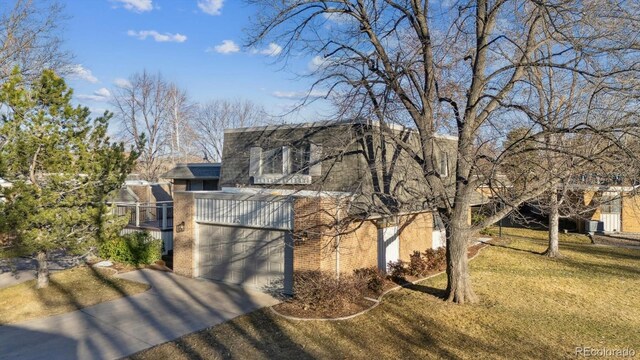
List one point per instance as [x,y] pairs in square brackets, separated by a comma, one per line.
[152,216]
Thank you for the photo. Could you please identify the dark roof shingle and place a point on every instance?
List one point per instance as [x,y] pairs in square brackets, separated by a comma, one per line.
[194,171]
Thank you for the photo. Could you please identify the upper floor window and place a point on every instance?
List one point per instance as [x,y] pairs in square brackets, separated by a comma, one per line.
[299,158]
[297,164]
[272,161]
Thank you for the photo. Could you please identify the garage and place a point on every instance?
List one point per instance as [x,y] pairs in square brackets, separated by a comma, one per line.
[245,241]
[238,255]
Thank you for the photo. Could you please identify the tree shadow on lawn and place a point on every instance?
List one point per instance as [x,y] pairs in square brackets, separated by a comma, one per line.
[407,330]
[508,247]
[435,292]
[610,251]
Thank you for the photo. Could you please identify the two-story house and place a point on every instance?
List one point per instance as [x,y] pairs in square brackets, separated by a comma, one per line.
[331,196]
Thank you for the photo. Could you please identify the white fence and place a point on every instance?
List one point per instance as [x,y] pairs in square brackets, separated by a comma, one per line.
[243,210]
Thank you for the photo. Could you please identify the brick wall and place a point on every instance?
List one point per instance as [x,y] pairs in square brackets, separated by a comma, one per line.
[358,248]
[630,216]
[317,237]
[183,241]
[415,233]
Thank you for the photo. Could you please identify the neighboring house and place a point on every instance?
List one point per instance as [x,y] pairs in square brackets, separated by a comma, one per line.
[329,196]
[194,176]
[608,208]
[149,207]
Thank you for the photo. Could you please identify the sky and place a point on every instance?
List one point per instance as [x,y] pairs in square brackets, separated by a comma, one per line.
[197,44]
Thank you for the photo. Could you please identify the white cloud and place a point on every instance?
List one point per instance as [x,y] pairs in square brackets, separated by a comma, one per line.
[338,18]
[78,71]
[166,37]
[227,47]
[272,49]
[318,62]
[211,7]
[136,5]
[100,95]
[296,95]
[120,82]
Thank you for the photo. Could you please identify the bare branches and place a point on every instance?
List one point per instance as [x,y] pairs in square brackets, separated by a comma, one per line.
[144,108]
[216,115]
[30,38]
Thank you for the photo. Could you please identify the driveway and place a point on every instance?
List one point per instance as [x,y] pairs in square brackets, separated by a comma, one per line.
[173,307]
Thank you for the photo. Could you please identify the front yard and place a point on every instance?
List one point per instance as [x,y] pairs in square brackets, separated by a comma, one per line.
[531,307]
[68,290]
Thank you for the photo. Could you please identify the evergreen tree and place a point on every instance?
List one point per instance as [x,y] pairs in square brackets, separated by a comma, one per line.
[63,167]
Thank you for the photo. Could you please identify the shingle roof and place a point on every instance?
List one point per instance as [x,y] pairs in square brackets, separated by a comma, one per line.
[194,171]
[124,195]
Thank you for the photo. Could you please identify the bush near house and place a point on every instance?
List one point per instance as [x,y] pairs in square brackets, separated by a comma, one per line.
[320,294]
[135,249]
[420,264]
[372,277]
[315,289]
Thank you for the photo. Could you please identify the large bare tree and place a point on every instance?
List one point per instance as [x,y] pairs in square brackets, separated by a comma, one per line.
[465,69]
[216,115]
[181,115]
[31,39]
[143,107]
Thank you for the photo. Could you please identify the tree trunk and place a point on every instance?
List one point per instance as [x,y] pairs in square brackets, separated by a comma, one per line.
[554,222]
[459,288]
[43,270]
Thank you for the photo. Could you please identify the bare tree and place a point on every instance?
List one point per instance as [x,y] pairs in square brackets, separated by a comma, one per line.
[181,115]
[143,107]
[30,38]
[216,115]
[464,69]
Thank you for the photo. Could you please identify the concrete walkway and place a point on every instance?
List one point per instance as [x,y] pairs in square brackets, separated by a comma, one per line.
[173,307]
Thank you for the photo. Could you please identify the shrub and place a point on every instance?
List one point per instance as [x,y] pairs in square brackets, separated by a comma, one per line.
[373,278]
[397,270]
[435,259]
[417,264]
[319,290]
[135,248]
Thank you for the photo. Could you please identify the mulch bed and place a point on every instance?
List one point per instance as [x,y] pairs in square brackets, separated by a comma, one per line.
[292,308]
[296,309]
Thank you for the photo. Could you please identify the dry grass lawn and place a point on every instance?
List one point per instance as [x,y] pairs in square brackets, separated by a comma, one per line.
[68,290]
[531,307]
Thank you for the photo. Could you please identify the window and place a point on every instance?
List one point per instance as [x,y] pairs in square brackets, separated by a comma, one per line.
[300,160]
[444,164]
[272,161]
[286,164]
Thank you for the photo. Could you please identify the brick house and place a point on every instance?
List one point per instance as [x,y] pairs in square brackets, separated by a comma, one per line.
[607,208]
[330,196]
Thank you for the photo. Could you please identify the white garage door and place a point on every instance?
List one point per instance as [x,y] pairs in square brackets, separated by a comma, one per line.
[240,255]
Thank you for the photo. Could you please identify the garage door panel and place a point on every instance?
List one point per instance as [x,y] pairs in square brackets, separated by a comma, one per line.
[253,257]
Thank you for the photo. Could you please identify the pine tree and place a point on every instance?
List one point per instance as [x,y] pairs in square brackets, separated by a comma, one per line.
[63,167]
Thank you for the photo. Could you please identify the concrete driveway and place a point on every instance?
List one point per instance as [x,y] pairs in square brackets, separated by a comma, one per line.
[173,307]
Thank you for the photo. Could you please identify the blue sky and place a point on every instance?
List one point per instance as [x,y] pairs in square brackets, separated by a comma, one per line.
[195,43]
